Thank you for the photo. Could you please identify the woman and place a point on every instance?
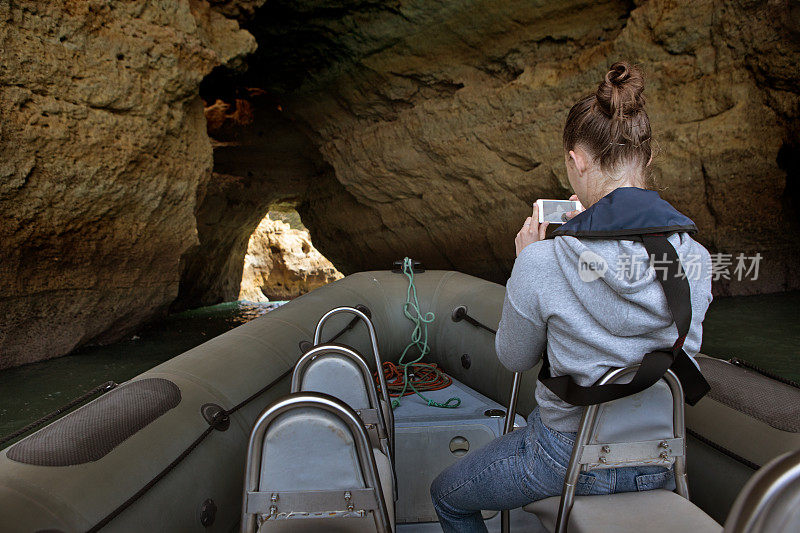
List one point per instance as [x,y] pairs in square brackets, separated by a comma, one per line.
[586,325]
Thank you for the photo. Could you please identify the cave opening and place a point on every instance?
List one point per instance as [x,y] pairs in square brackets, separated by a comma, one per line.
[264,163]
[281,262]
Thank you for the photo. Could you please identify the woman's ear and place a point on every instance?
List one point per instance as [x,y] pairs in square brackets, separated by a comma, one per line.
[579,160]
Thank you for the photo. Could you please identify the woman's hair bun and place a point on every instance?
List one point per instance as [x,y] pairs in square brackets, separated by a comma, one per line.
[619,95]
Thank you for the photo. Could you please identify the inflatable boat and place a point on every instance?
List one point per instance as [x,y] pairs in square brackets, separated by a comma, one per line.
[193,444]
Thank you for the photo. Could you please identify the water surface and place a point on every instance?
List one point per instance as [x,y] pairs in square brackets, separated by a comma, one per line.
[764,330]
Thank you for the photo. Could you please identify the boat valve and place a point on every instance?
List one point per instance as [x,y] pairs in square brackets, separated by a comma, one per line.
[208,512]
[215,416]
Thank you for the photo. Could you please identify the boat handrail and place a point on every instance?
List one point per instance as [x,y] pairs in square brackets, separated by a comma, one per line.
[344,412]
[350,353]
[375,351]
[587,429]
[508,426]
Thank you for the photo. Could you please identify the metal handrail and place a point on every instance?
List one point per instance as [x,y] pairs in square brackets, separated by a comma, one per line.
[587,430]
[375,351]
[353,355]
[511,414]
[751,511]
[326,402]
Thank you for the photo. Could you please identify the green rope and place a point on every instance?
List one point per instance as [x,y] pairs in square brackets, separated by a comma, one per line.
[419,338]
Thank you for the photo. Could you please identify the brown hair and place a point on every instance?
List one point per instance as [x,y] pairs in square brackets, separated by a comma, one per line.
[612,123]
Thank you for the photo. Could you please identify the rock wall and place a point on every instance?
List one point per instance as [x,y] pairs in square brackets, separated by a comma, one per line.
[281,264]
[441,121]
[261,160]
[103,147]
[423,128]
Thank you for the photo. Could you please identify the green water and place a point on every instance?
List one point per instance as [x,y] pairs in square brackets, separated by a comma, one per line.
[763,330]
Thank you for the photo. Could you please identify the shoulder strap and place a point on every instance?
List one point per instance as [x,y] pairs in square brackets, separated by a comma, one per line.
[654,364]
[676,288]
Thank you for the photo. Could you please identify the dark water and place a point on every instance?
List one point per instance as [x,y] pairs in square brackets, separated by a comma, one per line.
[31,391]
[764,330]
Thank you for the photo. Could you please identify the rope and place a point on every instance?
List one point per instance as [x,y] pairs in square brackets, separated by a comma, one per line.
[102,389]
[746,364]
[416,375]
[127,503]
[424,376]
[748,463]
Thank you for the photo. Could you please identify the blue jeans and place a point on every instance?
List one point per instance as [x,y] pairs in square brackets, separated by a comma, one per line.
[524,466]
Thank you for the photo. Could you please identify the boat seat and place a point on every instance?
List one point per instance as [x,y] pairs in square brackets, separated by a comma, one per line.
[362,312]
[311,468]
[646,428]
[654,511]
[340,371]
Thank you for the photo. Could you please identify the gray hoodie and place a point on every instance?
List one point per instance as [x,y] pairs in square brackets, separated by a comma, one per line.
[588,327]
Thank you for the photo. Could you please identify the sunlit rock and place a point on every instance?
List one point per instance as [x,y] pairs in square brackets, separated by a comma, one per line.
[421,129]
[281,264]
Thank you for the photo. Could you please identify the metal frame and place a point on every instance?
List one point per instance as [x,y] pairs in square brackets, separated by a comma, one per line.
[675,447]
[253,498]
[378,362]
[508,427]
[373,416]
[751,511]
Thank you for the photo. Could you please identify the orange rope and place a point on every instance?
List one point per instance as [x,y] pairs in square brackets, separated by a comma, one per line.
[422,377]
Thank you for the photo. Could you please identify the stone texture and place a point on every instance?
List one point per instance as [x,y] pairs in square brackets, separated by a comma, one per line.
[281,264]
[102,149]
[423,128]
[261,161]
[441,122]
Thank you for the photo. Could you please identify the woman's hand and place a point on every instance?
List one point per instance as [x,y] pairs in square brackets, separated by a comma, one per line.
[572,214]
[531,230]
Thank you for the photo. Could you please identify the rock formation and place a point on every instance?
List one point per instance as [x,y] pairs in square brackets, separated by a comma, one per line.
[423,128]
[441,122]
[261,160]
[103,147]
[281,264]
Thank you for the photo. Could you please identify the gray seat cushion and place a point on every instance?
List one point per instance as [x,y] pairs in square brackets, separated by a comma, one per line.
[652,511]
